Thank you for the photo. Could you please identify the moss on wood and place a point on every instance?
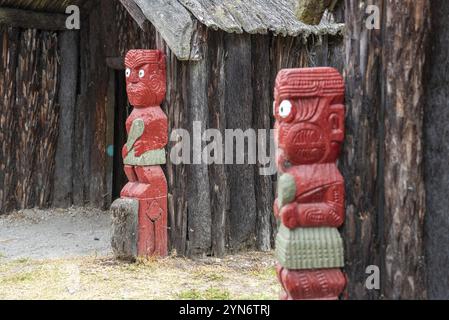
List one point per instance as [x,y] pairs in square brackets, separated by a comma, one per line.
[311,11]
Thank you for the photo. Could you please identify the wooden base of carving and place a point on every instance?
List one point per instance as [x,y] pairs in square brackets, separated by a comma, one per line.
[140,216]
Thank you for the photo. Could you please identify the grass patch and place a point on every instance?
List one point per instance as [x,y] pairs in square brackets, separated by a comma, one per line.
[209,274]
[264,273]
[236,277]
[208,294]
[18,278]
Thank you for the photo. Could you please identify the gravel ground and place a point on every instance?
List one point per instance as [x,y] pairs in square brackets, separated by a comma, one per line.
[55,234]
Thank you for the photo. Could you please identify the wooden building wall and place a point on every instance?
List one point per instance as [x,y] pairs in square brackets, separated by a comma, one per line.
[221,208]
[29,113]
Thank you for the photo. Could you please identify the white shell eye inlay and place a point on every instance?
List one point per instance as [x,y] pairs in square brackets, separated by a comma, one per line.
[128,72]
[285,109]
[141,73]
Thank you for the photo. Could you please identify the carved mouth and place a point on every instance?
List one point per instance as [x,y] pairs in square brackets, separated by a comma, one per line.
[307,146]
[308,154]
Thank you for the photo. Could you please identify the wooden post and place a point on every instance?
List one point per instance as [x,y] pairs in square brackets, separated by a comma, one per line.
[63,176]
[310,116]
[383,160]
[140,216]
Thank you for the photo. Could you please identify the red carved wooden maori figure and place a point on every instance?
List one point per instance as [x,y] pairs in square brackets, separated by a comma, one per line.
[309,114]
[143,153]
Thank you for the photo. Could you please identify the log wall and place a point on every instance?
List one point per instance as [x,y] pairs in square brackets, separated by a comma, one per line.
[214,209]
[29,114]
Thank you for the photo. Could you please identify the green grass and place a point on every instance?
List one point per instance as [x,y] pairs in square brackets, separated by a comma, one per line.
[208,294]
[18,278]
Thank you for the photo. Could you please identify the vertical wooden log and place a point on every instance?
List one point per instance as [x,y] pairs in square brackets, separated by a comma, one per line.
[177,76]
[262,112]
[63,177]
[218,180]
[436,154]
[383,151]
[239,115]
[83,124]
[199,216]
[97,105]
[361,165]
[404,54]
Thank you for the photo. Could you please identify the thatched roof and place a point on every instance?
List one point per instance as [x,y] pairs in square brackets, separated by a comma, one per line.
[41,5]
[174,19]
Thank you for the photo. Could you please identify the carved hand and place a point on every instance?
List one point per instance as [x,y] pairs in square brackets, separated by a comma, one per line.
[140,147]
[124,152]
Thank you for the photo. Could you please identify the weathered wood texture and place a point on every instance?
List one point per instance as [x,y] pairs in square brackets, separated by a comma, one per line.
[42,5]
[32,20]
[174,20]
[383,163]
[215,209]
[63,178]
[436,147]
[92,180]
[29,82]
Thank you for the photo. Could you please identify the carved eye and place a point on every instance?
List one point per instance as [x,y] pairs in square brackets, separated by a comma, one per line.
[141,73]
[128,72]
[285,109]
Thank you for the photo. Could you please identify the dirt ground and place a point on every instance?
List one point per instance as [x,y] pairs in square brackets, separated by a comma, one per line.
[50,234]
[65,254]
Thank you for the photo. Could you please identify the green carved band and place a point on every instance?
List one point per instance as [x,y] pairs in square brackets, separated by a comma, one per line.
[309,248]
[149,158]
[286,189]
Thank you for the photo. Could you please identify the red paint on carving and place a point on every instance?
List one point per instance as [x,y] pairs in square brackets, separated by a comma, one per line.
[310,130]
[320,195]
[146,88]
[325,284]
[310,116]
[146,78]
[152,237]
[155,135]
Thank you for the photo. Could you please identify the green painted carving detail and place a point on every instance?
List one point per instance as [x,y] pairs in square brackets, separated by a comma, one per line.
[137,129]
[286,189]
[309,248]
[149,158]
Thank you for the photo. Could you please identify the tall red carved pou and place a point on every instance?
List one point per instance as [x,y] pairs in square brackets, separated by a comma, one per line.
[140,217]
[309,114]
